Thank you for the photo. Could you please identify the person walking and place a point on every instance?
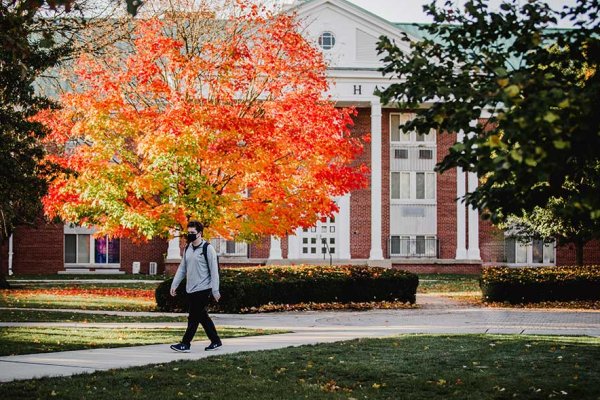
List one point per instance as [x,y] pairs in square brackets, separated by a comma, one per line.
[199,266]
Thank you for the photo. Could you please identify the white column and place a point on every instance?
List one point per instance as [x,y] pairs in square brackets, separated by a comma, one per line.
[294,245]
[461,227]
[473,250]
[10,255]
[173,251]
[343,228]
[376,248]
[275,250]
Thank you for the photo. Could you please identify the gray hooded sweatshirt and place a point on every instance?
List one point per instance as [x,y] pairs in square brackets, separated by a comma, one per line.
[199,276]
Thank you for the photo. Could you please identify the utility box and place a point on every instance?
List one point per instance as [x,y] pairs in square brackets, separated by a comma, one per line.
[153,268]
[135,268]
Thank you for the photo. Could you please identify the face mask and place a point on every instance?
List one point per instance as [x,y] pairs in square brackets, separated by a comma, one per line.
[191,237]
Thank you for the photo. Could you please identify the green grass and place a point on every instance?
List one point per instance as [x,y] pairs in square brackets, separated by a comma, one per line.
[17,315]
[41,300]
[448,283]
[408,367]
[28,340]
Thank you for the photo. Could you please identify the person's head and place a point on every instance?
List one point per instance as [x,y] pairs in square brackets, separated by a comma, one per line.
[195,230]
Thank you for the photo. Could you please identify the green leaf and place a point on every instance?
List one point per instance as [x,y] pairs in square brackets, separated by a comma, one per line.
[512,90]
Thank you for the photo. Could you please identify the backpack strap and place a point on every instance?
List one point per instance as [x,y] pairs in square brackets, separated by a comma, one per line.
[204,248]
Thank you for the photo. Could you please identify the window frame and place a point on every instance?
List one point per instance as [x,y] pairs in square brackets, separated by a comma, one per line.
[78,231]
[527,248]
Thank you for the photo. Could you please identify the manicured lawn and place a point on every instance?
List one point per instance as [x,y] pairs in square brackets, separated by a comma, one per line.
[407,367]
[80,298]
[448,283]
[17,315]
[28,340]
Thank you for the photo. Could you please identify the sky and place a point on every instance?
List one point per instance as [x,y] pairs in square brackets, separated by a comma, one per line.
[412,10]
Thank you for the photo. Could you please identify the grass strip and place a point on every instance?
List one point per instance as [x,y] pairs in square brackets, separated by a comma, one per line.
[9,298]
[30,340]
[17,315]
[415,367]
[448,283]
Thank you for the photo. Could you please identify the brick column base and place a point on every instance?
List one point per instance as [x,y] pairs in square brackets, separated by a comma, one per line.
[171,267]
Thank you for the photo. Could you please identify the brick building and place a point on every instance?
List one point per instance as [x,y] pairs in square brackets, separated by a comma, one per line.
[407,218]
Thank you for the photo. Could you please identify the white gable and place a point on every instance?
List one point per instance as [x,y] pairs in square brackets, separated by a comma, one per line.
[349,37]
[356,32]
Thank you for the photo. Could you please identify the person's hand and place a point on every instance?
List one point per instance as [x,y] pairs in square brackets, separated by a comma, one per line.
[173,292]
[217,297]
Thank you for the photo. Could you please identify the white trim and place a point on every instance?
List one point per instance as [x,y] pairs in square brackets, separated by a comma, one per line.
[294,245]
[174,251]
[376,252]
[461,211]
[10,255]
[275,249]
[473,249]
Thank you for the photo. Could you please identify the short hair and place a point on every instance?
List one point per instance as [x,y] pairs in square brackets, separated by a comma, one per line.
[196,224]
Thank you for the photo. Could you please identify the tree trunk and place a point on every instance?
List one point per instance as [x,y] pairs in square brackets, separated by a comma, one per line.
[579,252]
[3,283]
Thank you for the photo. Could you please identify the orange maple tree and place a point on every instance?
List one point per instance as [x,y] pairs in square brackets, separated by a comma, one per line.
[235,133]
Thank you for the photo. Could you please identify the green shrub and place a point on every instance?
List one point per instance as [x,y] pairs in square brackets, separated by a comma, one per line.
[252,287]
[536,284]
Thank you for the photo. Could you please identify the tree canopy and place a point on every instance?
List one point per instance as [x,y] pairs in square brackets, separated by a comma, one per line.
[232,131]
[525,94]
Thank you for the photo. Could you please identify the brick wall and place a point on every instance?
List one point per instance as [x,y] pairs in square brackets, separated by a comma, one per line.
[360,200]
[38,250]
[385,176]
[151,251]
[565,255]
[491,242]
[446,200]
[261,248]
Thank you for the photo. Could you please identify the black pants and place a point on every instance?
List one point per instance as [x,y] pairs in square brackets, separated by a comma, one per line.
[198,302]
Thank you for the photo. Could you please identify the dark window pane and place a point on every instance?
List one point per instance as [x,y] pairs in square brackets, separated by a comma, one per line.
[70,248]
[420,245]
[509,250]
[420,185]
[538,251]
[100,248]
[395,245]
[114,251]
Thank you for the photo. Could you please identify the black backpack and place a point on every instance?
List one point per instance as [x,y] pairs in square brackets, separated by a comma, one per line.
[204,248]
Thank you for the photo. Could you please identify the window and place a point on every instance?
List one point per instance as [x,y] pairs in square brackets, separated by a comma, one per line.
[424,185]
[401,154]
[400,182]
[326,40]
[413,246]
[77,249]
[397,135]
[426,154]
[85,249]
[106,251]
[533,252]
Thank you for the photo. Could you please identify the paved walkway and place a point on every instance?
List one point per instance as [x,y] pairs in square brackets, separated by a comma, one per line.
[437,315]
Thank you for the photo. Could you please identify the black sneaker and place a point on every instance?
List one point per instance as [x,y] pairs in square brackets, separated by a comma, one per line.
[181,347]
[213,346]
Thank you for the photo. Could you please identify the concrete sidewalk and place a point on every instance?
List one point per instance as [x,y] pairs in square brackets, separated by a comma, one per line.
[308,328]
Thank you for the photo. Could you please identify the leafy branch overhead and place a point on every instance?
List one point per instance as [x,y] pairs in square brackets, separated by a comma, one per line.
[525,94]
[229,128]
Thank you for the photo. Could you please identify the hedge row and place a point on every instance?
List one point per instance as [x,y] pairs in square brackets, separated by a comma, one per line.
[535,284]
[243,288]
